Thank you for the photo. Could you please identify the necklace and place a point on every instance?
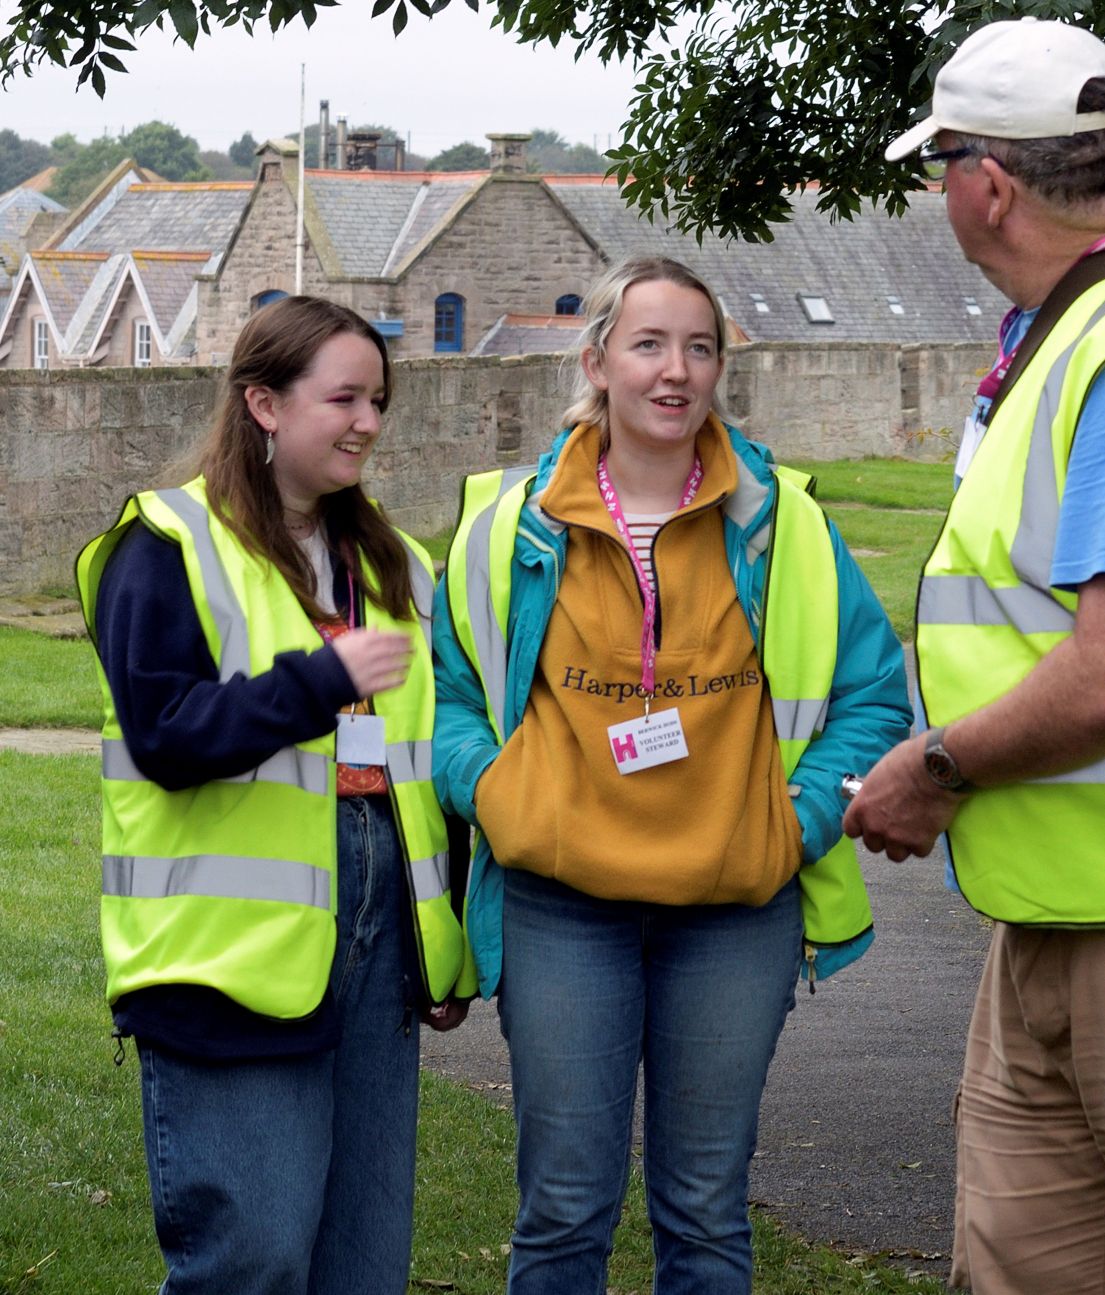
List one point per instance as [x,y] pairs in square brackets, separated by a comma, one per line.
[303,525]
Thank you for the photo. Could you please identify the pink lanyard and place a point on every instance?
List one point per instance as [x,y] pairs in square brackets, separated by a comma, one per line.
[648,591]
[990,385]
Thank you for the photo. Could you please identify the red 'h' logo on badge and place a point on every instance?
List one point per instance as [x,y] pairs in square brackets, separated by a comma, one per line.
[624,748]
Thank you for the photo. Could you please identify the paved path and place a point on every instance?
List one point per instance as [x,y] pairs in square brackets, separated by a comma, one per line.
[50,741]
[856,1142]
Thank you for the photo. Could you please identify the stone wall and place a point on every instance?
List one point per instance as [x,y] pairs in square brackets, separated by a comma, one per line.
[74,443]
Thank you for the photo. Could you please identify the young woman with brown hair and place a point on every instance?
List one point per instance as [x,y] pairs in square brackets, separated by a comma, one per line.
[261,871]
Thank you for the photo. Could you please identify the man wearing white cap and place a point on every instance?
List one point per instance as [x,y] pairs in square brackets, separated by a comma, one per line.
[1011,659]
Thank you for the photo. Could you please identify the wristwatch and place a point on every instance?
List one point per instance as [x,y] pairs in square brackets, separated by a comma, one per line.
[940,764]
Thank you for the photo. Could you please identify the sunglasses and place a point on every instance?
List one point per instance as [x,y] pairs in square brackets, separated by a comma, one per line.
[934,164]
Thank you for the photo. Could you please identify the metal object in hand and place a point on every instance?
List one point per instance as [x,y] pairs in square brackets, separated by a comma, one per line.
[850,785]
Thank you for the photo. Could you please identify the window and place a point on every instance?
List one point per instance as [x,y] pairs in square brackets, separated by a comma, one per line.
[895,304]
[816,308]
[143,339]
[41,344]
[270,294]
[449,322]
[569,304]
[762,308]
[972,306]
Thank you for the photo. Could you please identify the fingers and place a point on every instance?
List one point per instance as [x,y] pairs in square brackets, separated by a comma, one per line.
[375,660]
[447,1015]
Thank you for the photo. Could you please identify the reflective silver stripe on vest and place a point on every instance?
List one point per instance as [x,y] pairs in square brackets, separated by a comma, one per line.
[1089,773]
[225,876]
[486,634]
[430,877]
[1034,542]
[410,761]
[290,768]
[969,600]
[225,608]
[801,720]
[422,591]
[1030,607]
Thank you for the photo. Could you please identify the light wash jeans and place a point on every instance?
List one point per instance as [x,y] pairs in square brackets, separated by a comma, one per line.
[590,989]
[295,1176]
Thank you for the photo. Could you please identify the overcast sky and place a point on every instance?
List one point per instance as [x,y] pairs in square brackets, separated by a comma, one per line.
[443,81]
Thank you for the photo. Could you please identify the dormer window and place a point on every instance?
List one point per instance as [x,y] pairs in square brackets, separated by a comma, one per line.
[758,301]
[895,305]
[143,344]
[971,306]
[40,341]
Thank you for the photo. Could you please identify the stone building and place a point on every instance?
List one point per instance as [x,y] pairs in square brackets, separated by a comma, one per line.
[486,262]
[493,262]
[115,283]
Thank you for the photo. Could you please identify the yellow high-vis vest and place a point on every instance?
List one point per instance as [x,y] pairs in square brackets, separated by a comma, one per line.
[1027,852]
[232,884]
[797,649]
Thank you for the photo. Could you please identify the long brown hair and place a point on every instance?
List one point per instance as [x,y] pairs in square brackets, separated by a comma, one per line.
[274,350]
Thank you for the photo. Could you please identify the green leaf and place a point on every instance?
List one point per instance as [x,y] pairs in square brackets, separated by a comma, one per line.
[381,6]
[183,15]
[147,12]
[115,42]
[98,82]
[399,21]
[109,60]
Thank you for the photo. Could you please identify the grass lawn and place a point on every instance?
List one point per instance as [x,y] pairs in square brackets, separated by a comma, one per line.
[74,1204]
[889,512]
[47,682]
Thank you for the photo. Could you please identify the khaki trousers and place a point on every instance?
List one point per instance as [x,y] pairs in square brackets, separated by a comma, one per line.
[1030,1119]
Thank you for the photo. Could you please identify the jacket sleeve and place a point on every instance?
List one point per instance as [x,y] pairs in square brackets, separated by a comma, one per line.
[869,710]
[183,726]
[464,741]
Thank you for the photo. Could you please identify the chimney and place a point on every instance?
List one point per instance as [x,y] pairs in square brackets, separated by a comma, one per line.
[508,153]
[340,160]
[324,133]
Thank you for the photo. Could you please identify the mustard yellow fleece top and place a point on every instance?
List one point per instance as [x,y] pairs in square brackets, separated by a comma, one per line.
[716,827]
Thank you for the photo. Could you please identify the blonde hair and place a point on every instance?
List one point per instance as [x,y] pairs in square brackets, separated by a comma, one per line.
[603,307]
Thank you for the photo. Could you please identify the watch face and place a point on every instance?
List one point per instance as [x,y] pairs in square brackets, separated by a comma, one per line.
[942,769]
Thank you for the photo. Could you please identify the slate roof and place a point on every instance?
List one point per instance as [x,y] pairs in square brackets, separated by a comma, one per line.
[374,219]
[17,208]
[149,238]
[64,279]
[530,335]
[164,218]
[855,266]
[168,278]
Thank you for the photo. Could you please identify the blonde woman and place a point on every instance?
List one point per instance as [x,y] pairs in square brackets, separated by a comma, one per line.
[655,660]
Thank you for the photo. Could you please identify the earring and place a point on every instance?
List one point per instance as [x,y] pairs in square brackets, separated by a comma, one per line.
[270,447]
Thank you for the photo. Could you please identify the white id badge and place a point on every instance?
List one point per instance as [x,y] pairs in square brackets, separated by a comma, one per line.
[642,743]
[973,432]
[361,740]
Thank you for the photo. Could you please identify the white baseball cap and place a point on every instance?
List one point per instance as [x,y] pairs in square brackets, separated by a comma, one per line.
[1016,79]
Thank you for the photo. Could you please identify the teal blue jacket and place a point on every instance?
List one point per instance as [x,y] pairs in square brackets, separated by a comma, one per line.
[869,709]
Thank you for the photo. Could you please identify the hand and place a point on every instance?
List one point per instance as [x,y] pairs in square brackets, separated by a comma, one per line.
[375,660]
[447,1015]
[899,809]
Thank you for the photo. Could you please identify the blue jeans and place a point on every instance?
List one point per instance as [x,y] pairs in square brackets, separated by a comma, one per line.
[590,989]
[295,1175]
